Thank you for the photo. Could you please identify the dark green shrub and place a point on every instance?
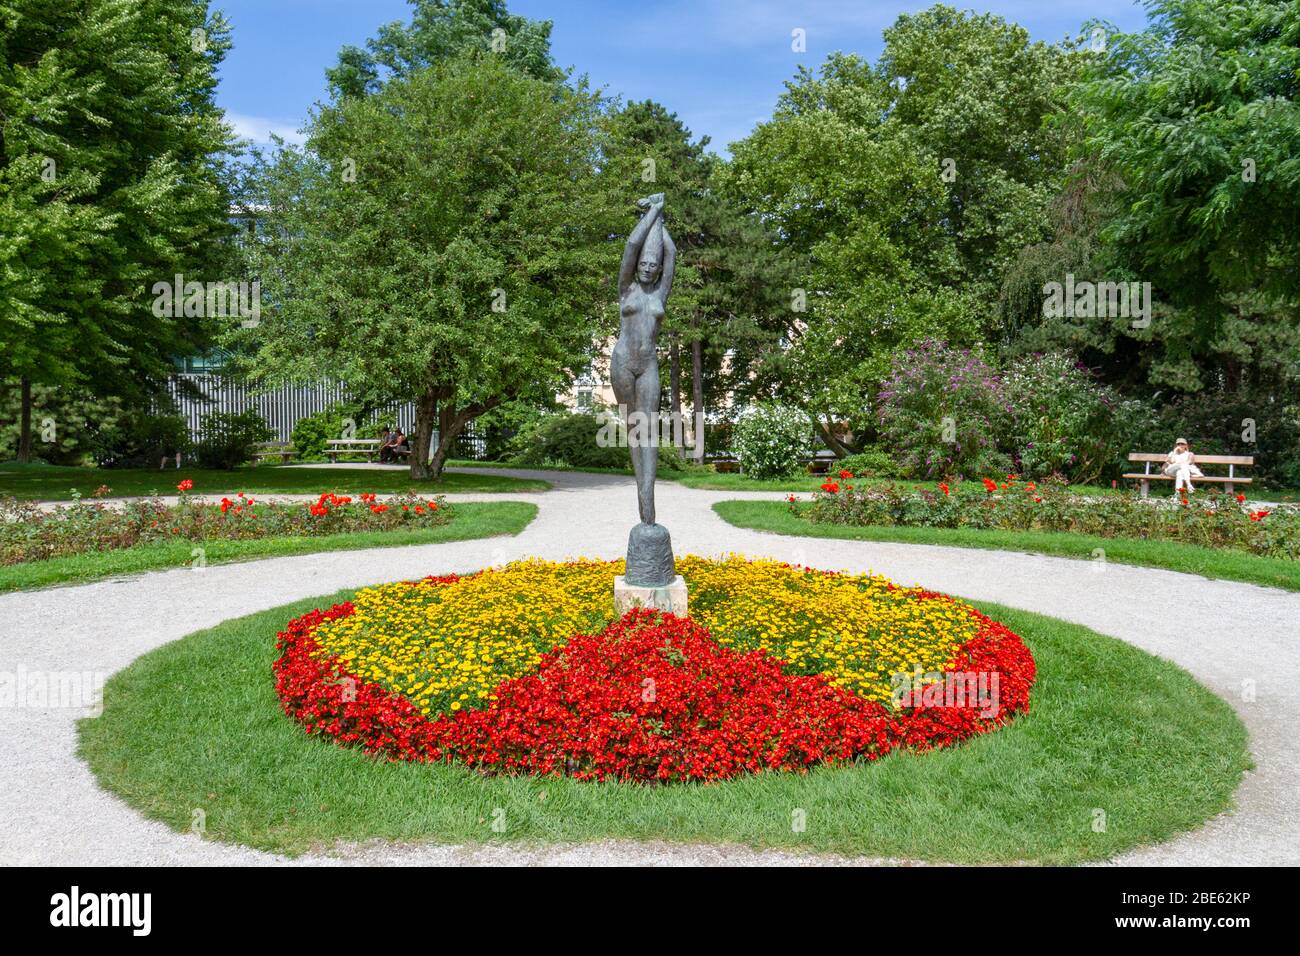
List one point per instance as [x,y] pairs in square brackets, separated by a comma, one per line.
[868,463]
[579,440]
[226,439]
[141,441]
[571,440]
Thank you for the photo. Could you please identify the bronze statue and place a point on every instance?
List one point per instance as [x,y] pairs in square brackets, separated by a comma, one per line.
[644,280]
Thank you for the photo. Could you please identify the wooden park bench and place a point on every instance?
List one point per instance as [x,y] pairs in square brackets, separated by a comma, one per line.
[1158,459]
[351,446]
[270,450]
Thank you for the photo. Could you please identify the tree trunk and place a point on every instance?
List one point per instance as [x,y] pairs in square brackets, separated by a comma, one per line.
[426,413]
[841,448]
[25,423]
[451,422]
[697,396]
[675,393]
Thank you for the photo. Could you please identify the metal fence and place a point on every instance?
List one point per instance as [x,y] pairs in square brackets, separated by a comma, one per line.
[198,395]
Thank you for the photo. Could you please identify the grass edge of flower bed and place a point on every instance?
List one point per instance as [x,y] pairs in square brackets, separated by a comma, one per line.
[470,520]
[1110,726]
[775,517]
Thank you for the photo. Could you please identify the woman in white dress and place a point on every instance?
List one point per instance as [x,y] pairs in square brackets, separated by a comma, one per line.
[1181,466]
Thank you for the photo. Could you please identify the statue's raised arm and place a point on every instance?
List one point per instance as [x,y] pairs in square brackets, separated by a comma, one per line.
[654,207]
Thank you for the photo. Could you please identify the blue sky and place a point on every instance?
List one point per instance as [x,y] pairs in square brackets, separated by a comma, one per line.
[719,64]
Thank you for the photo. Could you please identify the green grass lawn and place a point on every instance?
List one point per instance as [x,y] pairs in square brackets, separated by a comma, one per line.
[775,516]
[196,725]
[57,483]
[470,520]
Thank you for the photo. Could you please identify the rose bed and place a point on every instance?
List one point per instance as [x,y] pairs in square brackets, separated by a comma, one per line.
[521,670]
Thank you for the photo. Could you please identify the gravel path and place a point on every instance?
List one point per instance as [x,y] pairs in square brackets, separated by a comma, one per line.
[1230,636]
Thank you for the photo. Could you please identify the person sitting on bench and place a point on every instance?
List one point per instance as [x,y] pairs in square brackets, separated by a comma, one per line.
[388,451]
[1181,466]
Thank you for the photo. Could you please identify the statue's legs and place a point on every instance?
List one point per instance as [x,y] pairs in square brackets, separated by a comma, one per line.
[645,455]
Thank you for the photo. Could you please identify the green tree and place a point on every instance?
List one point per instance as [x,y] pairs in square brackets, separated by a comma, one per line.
[441,30]
[441,241]
[111,179]
[911,185]
[1196,120]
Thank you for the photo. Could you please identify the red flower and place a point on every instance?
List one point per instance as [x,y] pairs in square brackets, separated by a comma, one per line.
[831,487]
[943,486]
[1240,498]
[716,712]
[989,485]
[1259,515]
[846,474]
[185,485]
[790,498]
[380,509]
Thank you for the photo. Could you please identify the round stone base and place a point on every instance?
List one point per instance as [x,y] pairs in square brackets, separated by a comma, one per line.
[650,557]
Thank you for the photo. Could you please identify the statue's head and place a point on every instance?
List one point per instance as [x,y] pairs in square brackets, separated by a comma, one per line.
[647,270]
[652,256]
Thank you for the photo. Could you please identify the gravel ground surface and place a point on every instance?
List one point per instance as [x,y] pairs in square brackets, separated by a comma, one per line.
[1240,640]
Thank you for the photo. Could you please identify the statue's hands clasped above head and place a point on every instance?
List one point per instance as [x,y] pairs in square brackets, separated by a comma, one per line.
[656,200]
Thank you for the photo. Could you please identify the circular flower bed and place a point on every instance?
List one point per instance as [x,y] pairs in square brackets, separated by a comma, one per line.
[520,670]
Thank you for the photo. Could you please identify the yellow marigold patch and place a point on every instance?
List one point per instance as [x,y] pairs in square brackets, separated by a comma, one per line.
[447,646]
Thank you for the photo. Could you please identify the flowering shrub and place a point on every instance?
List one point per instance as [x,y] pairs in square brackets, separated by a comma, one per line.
[771,440]
[942,411]
[649,697]
[1011,504]
[1066,424]
[31,533]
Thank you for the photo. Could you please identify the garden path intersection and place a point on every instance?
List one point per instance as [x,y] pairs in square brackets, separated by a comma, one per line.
[1240,640]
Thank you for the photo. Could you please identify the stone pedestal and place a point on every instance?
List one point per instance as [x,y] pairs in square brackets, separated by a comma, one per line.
[670,598]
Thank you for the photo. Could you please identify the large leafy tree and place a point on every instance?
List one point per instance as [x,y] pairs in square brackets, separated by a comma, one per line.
[911,184]
[110,179]
[1195,123]
[441,241]
[439,30]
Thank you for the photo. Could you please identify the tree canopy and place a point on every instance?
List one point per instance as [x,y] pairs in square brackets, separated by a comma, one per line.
[443,241]
[111,178]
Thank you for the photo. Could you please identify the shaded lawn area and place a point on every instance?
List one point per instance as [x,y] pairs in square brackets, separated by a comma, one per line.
[469,520]
[57,483]
[1110,726]
[775,516]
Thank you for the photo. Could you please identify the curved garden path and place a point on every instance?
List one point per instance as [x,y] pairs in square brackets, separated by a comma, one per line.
[1226,634]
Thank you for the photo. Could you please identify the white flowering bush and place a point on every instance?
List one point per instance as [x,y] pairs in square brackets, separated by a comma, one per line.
[771,440]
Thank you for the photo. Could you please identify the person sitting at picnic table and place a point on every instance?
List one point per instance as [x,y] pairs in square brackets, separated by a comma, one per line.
[1181,466]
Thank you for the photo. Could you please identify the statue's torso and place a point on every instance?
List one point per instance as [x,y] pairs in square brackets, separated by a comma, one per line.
[641,314]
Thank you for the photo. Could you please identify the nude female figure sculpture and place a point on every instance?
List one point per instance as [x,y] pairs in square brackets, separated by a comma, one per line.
[644,280]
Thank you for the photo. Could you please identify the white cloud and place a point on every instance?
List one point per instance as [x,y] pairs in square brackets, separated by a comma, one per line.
[260,128]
